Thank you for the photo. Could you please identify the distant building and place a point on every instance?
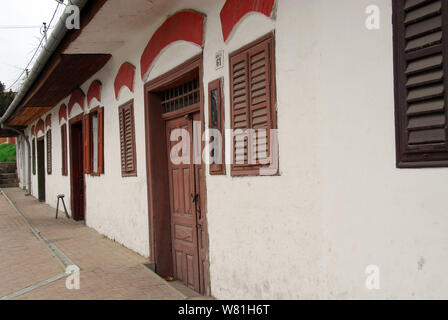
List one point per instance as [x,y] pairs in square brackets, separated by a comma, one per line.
[8,140]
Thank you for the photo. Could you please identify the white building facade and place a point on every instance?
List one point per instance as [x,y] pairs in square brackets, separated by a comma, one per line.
[338,202]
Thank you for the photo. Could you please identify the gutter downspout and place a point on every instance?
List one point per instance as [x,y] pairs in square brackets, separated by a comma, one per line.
[28,147]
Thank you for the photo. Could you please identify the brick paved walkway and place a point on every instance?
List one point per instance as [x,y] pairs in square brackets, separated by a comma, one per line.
[108,270]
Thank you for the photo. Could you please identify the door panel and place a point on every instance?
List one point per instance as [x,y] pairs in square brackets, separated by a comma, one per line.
[202,231]
[183,213]
[201,219]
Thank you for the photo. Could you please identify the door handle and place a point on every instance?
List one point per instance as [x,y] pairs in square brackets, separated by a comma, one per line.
[194,197]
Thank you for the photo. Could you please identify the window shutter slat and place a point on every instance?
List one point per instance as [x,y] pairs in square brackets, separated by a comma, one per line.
[426,107]
[101,140]
[424,64]
[421,28]
[86,138]
[420,75]
[413,3]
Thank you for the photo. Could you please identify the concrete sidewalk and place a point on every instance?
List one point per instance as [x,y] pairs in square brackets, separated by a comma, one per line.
[108,270]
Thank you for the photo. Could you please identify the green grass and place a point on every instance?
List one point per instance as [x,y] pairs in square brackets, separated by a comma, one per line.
[7,152]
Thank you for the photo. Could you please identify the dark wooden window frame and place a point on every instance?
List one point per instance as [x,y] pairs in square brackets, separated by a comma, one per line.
[419,156]
[48,138]
[99,111]
[254,169]
[121,109]
[217,169]
[64,167]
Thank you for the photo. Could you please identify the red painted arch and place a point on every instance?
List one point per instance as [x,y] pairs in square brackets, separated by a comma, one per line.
[48,121]
[234,10]
[62,113]
[40,126]
[184,25]
[125,78]
[94,91]
[77,97]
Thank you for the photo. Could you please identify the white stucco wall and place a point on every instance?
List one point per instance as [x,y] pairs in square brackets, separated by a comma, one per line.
[374,213]
[262,229]
[339,203]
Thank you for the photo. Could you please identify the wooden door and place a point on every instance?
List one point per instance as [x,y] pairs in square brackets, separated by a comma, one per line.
[183,209]
[41,168]
[77,171]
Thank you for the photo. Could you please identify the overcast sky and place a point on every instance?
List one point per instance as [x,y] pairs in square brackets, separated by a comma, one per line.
[17,44]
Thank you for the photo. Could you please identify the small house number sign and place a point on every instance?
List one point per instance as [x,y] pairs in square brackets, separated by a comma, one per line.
[219,59]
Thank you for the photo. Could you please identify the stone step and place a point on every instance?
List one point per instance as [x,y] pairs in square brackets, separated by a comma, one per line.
[8,175]
[8,181]
[7,178]
[8,167]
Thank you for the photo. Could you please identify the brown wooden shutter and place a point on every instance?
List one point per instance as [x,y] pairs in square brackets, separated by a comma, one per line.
[122,140]
[260,99]
[240,101]
[420,27]
[49,157]
[64,149]
[101,140]
[252,99]
[127,140]
[86,139]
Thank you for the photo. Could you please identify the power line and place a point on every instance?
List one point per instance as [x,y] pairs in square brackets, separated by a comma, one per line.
[54,14]
[35,52]
[29,63]
[18,27]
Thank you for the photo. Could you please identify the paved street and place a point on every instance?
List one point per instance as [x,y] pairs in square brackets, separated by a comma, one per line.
[108,270]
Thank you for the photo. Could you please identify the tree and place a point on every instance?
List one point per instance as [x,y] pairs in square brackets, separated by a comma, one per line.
[5,98]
